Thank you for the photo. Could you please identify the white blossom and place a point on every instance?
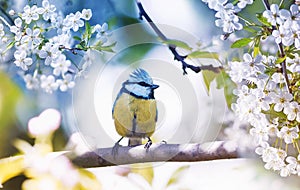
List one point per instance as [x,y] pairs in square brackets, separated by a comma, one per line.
[293,64]
[48,83]
[292,110]
[86,14]
[64,39]
[283,36]
[215,4]
[49,52]
[60,65]
[31,13]
[288,134]
[17,28]
[281,100]
[48,10]
[278,78]
[66,83]
[11,12]
[21,60]
[227,19]
[266,151]
[289,168]
[102,32]
[243,3]
[273,15]
[44,124]
[247,69]
[32,82]
[31,38]
[260,134]
[73,21]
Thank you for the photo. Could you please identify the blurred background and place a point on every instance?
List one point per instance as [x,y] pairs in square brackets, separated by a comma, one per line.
[188,112]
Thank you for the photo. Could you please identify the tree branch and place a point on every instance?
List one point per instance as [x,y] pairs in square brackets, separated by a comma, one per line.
[172,48]
[158,153]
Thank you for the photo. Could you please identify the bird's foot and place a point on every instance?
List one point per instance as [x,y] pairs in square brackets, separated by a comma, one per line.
[164,142]
[116,148]
[148,144]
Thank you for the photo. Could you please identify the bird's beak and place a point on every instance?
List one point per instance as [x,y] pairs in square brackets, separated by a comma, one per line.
[154,86]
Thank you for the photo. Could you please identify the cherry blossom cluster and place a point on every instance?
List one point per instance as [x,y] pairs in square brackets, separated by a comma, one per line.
[226,14]
[268,93]
[287,24]
[42,38]
[44,168]
[264,100]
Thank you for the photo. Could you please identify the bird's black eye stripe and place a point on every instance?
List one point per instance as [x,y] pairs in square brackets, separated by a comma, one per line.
[139,83]
[143,84]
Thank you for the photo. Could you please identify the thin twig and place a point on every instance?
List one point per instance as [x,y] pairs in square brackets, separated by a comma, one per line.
[5,22]
[177,56]
[158,153]
[72,50]
[7,16]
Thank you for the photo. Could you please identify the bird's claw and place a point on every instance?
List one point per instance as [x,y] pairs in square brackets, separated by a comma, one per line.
[148,144]
[115,150]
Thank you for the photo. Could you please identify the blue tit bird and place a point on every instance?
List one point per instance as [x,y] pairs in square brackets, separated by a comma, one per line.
[134,110]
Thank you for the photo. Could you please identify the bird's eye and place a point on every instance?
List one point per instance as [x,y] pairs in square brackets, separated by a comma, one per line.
[143,84]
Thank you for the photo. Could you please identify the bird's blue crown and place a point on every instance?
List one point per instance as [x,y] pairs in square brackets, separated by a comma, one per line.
[140,75]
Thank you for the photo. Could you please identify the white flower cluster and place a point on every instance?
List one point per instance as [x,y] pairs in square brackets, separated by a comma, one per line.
[42,36]
[273,111]
[287,24]
[227,13]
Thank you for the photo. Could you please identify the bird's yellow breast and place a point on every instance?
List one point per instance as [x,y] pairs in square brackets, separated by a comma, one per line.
[134,117]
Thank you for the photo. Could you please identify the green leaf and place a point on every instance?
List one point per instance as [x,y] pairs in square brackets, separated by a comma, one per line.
[280,59]
[273,114]
[134,53]
[177,175]
[10,167]
[220,80]
[79,46]
[87,33]
[10,96]
[88,180]
[10,45]
[241,43]
[145,170]
[82,43]
[178,43]
[256,51]
[208,77]
[120,20]
[229,86]
[204,54]
[77,38]
[88,30]
[263,20]
[108,48]
[249,29]
[224,81]
[23,146]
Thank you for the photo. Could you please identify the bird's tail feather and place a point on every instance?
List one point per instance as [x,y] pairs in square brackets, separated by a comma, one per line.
[134,141]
